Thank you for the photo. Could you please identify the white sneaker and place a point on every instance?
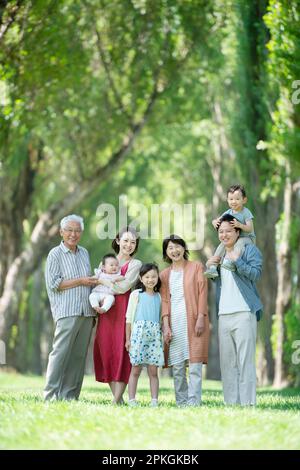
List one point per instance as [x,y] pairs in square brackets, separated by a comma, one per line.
[212,272]
[154,403]
[133,403]
[227,264]
[193,403]
[120,403]
[182,405]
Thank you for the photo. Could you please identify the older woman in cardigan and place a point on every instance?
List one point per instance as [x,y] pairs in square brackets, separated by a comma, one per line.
[185,320]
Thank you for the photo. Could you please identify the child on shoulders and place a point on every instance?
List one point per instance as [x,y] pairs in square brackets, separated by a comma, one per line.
[236,198]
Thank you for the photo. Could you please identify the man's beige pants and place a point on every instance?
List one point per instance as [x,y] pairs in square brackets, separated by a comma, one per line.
[66,363]
[237,341]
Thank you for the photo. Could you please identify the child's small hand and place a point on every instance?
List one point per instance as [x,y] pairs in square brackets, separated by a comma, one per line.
[216,222]
[167,333]
[97,272]
[235,223]
[100,310]
[127,345]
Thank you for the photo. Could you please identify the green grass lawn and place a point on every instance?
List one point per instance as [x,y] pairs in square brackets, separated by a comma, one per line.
[26,422]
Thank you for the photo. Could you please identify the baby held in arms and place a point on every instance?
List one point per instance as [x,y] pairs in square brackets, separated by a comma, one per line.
[102,296]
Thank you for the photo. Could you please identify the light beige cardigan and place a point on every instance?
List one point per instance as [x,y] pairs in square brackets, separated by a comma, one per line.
[131,277]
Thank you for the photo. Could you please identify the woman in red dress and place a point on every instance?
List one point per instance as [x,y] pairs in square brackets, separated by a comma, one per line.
[111,360]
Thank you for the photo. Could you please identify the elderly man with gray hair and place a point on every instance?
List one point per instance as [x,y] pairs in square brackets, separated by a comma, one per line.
[68,282]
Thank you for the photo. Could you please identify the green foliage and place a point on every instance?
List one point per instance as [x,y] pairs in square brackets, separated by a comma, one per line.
[78,76]
[283,22]
[249,123]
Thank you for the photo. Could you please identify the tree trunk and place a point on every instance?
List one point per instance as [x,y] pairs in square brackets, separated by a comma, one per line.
[36,323]
[256,164]
[284,291]
[221,151]
[265,224]
[10,240]
[296,190]
[10,244]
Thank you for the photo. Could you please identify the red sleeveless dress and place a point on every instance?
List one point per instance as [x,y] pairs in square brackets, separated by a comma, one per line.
[111,360]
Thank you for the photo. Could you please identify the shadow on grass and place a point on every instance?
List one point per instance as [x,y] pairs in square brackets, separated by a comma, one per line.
[143,389]
[30,399]
[21,398]
[283,400]
[211,398]
[267,399]
[290,392]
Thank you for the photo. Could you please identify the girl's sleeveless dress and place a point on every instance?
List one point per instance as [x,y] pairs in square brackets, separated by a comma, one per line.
[146,346]
[111,360]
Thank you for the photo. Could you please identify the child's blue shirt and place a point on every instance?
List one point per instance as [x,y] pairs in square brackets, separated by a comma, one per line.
[148,307]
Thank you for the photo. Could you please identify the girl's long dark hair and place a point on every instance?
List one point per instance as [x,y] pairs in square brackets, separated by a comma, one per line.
[144,269]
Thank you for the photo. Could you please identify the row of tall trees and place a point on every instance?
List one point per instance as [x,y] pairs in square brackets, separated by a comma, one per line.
[165,102]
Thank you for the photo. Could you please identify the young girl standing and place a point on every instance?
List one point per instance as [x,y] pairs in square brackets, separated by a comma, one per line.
[143,331]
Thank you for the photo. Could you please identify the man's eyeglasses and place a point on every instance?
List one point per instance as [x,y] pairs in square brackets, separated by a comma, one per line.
[71,230]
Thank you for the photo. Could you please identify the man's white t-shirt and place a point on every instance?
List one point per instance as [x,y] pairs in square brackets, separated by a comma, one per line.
[231,299]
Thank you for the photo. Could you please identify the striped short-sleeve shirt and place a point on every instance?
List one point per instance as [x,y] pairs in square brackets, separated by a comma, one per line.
[63,264]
